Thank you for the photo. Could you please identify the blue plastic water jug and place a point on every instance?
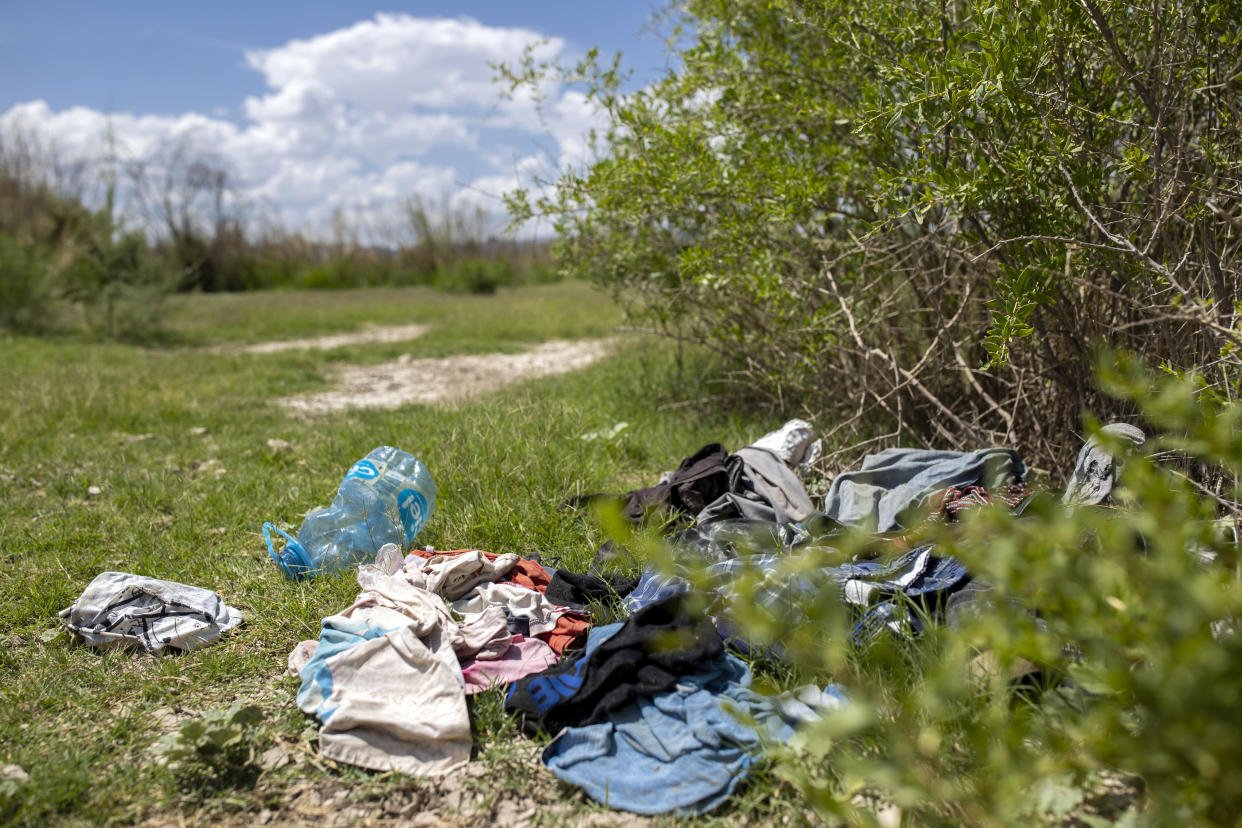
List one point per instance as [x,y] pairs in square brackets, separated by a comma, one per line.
[385,498]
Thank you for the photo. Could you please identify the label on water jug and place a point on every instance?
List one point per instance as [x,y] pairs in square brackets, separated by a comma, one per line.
[413,508]
[364,469]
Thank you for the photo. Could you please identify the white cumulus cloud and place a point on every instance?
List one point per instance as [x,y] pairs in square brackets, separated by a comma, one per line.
[357,120]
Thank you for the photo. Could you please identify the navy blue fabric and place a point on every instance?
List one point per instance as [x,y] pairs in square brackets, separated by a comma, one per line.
[880,590]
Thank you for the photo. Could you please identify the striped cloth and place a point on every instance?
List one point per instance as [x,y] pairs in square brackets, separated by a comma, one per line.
[881,591]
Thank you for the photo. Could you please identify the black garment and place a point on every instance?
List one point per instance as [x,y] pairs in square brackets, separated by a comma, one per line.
[700,479]
[517,624]
[655,647]
[575,590]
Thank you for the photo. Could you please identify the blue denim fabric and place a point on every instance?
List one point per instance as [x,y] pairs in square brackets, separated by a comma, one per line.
[683,751]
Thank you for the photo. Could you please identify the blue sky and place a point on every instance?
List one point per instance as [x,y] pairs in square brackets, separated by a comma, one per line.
[313,106]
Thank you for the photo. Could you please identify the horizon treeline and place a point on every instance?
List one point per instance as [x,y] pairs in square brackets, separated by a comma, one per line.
[97,241]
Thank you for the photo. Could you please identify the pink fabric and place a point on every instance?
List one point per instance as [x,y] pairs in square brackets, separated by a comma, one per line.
[526,656]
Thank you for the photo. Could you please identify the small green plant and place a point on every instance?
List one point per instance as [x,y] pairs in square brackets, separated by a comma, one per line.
[609,437]
[217,750]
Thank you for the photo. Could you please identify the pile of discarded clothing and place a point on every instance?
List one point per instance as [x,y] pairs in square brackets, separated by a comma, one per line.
[389,676]
[652,712]
[638,681]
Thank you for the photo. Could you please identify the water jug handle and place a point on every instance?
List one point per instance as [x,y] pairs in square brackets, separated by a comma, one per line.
[267,536]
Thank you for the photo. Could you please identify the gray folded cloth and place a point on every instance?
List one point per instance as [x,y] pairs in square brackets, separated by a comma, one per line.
[1098,468]
[769,492]
[118,608]
[896,482]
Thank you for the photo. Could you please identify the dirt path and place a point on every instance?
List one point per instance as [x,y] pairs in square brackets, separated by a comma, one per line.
[387,333]
[447,379]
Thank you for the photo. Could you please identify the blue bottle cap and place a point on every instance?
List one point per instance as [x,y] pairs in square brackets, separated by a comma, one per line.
[292,560]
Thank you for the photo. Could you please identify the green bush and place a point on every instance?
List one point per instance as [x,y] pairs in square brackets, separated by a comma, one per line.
[1123,623]
[111,276]
[26,289]
[864,203]
[481,276]
[111,282]
[331,274]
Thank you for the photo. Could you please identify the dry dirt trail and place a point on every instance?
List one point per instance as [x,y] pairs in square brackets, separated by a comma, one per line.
[445,379]
[430,380]
[386,333]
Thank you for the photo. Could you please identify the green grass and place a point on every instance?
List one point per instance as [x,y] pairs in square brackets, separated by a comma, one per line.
[568,310]
[186,505]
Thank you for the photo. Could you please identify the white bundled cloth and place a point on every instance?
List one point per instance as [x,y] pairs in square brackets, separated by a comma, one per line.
[455,575]
[118,608]
[385,676]
[452,575]
[539,613]
[794,443]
